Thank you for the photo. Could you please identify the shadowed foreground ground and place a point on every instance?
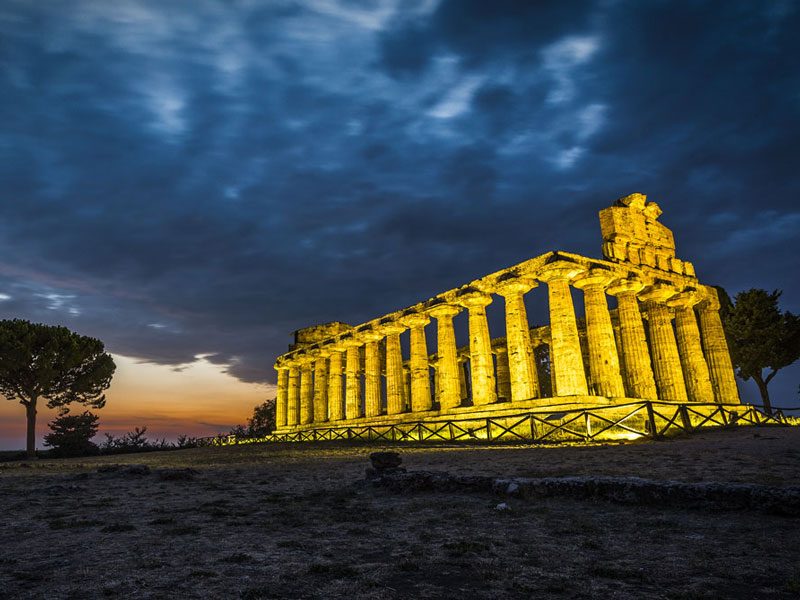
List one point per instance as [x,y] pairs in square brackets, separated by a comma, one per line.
[297,521]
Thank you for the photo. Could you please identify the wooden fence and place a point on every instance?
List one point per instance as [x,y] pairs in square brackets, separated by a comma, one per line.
[640,419]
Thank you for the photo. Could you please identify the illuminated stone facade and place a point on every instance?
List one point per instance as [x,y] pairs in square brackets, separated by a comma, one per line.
[663,341]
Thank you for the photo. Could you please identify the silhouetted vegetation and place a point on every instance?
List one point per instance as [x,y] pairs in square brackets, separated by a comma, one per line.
[53,363]
[760,337]
[134,441]
[261,423]
[71,435]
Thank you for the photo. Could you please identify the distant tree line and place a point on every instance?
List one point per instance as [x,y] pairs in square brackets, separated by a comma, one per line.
[71,435]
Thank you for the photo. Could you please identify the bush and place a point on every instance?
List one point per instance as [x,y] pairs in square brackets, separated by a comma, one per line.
[72,434]
[134,441]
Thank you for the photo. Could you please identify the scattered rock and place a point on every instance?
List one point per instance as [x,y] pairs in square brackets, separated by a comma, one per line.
[385,460]
[502,506]
[623,490]
[383,464]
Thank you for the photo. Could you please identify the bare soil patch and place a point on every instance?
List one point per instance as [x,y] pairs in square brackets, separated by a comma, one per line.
[298,521]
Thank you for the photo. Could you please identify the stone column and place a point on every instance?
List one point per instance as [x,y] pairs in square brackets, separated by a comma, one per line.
[407,384]
[463,383]
[618,340]
[352,402]
[282,396]
[481,364]
[666,361]
[434,362]
[293,400]
[320,386]
[306,392]
[566,360]
[604,368]
[690,350]
[720,366]
[418,362]
[635,354]
[335,385]
[503,371]
[372,375]
[540,337]
[395,386]
[521,363]
[447,388]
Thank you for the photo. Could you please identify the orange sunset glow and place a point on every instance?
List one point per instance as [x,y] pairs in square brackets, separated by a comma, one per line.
[197,399]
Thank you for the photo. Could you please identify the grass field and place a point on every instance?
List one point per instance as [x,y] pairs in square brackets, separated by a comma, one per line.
[298,521]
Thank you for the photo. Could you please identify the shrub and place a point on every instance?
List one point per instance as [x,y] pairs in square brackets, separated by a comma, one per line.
[71,435]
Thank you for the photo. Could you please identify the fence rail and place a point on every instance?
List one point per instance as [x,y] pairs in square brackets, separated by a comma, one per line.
[641,419]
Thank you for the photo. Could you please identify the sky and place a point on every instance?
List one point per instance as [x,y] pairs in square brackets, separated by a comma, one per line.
[191,182]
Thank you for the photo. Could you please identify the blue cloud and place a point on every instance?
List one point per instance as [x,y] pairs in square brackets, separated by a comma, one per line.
[205,180]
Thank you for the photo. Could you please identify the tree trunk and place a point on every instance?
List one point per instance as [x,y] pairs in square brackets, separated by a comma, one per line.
[30,409]
[762,388]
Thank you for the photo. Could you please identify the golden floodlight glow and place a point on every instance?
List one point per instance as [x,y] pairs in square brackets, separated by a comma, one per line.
[662,343]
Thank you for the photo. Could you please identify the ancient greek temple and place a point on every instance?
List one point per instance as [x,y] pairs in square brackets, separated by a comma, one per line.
[662,341]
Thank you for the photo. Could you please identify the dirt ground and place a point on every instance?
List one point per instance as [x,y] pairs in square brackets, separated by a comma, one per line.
[298,521]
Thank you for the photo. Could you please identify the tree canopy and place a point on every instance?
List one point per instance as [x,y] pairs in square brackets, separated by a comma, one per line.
[54,363]
[261,423]
[761,337]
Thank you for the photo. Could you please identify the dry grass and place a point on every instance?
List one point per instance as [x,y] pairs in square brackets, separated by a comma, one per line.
[296,521]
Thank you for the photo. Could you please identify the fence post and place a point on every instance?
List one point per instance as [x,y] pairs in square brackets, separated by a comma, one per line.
[651,421]
[687,422]
[724,415]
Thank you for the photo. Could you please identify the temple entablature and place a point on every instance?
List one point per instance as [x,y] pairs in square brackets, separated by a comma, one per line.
[661,338]
[632,234]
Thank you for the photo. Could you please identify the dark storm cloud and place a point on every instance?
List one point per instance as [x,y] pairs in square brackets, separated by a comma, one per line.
[202,181]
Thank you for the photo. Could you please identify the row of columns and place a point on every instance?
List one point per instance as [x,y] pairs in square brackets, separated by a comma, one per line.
[678,365]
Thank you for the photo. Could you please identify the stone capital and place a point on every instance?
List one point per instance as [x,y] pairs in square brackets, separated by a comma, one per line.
[302,358]
[658,292]
[594,278]
[709,304]
[391,328]
[559,270]
[414,320]
[709,299]
[621,287]
[372,336]
[509,284]
[684,299]
[444,310]
[474,299]
[370,333]
[347,341]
